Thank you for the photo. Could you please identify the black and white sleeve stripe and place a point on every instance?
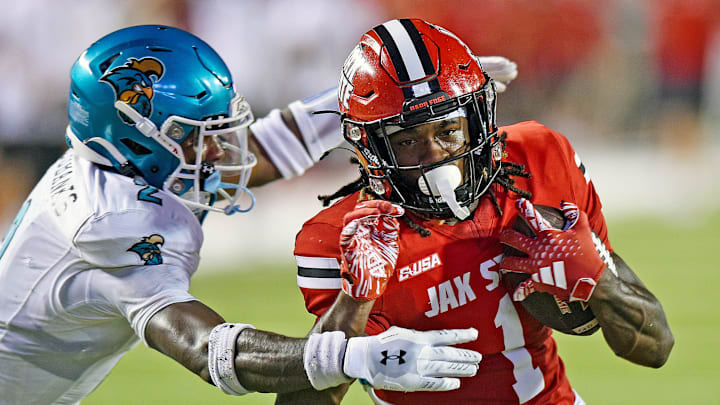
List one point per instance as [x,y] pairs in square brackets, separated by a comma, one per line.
[582,168]
[318,273]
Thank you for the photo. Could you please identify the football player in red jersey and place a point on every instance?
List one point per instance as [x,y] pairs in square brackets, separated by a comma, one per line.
[445,185]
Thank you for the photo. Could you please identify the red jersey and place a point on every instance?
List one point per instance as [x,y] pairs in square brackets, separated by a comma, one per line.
[451,279]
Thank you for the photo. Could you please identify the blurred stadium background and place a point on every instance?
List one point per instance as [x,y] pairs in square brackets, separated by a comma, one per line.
[634,84]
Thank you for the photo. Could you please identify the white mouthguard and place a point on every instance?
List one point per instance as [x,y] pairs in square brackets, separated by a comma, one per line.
[443,181]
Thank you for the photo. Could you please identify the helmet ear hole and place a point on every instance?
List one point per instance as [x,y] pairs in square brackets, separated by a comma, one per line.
[135,147]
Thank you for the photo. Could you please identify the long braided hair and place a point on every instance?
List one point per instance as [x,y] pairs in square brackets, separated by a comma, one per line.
[503,178]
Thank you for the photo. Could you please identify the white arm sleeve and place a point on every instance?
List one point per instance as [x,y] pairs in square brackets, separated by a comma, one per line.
[319,133]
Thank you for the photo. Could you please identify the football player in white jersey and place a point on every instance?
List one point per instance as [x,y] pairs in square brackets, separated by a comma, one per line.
[101,253]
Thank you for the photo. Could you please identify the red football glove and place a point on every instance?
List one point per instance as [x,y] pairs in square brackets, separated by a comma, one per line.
[369,246]
[563,262]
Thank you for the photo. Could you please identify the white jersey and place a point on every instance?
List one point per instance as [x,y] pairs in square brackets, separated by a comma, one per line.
[90,258]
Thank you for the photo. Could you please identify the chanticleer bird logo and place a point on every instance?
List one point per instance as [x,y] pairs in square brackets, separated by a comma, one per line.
[133,84]
[149,249]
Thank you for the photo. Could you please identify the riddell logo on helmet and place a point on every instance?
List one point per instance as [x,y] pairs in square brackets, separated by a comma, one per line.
[369,156]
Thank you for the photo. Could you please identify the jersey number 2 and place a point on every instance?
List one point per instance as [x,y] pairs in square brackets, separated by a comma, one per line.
[147,194]
[529,380]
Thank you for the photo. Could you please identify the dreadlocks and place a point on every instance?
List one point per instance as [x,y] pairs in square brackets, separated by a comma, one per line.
[506,170]
[347,189]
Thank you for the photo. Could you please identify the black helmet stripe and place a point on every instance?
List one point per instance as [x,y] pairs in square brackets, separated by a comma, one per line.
[409,55]
[422,52]
[395,57]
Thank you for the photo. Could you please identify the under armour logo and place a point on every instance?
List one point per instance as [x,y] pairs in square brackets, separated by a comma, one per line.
[398,357]
[206,169]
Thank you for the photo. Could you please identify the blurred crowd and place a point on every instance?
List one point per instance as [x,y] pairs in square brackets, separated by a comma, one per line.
[625,74]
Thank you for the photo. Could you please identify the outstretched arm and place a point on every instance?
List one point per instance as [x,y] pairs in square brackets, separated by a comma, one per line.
[289,142]
[239,359]
[264,361]
[633,321]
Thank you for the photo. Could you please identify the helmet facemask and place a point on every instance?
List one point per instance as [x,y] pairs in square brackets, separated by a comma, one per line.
[445,188]
[214,159]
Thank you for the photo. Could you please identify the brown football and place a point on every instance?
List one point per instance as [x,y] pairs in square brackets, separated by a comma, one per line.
[573,318]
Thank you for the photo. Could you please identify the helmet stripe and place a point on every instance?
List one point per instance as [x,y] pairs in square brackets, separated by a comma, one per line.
[422,52]
[395,58]
[407,50]
[409,55]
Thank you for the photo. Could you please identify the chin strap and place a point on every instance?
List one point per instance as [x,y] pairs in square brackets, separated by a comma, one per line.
[143,124]
[81,148]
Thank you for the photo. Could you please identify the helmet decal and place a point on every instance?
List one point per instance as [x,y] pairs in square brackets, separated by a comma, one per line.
[149,249]
[352,64]
[133,84]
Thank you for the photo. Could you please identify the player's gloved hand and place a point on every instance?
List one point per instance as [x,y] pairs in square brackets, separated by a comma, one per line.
[501,69]
[407,360]
[563,262]
[369,245]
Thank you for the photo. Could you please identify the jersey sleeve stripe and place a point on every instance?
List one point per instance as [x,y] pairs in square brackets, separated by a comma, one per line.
[318,273]
[319,283]
[317,262]
[581,166]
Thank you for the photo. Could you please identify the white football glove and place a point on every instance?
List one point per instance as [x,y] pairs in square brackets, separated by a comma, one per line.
[402,359]
[501,69]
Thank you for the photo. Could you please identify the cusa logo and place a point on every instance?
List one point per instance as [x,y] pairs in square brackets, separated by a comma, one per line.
[419,267]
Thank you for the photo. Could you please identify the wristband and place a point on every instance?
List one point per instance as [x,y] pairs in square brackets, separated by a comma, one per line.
[221,357]
[323,359]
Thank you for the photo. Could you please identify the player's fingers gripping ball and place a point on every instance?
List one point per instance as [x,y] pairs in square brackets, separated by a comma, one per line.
[369,246]
[563,262]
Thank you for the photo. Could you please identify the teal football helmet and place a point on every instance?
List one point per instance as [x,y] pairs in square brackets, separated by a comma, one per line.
[158,104]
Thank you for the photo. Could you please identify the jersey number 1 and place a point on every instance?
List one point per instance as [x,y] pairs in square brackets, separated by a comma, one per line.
[529,380]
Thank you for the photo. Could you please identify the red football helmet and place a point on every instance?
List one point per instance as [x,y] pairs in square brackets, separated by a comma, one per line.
[408,72]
